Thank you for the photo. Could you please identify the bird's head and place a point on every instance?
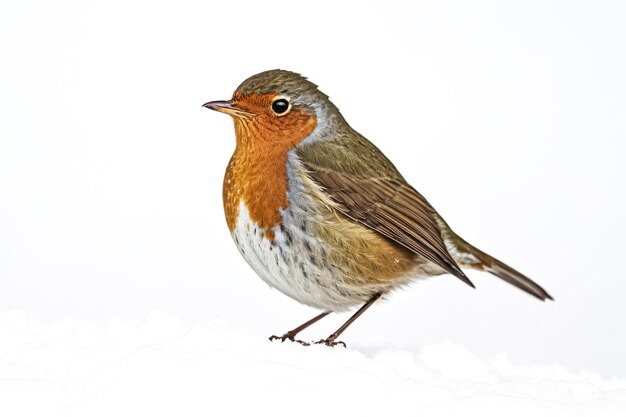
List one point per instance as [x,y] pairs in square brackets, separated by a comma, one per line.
[278,106]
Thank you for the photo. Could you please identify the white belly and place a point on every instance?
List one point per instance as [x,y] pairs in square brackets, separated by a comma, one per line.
[294,263]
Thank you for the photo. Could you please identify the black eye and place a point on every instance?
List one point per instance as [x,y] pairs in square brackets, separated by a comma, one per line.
[280,106]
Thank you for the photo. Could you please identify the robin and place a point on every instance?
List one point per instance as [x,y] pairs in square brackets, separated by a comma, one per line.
[322,215]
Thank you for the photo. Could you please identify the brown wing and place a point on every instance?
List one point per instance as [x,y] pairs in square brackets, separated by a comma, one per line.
[390,207]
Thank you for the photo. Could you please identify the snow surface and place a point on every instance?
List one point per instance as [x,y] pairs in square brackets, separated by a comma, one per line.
[166,366]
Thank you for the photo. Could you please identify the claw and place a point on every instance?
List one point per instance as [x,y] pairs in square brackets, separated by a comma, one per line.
[330,342]
[287,336]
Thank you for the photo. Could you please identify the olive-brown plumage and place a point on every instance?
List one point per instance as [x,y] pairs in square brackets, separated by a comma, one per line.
[321,214]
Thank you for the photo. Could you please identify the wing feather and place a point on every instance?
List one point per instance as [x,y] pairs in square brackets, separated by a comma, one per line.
[390,207]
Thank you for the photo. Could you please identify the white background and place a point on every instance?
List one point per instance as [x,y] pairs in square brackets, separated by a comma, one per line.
[509,118]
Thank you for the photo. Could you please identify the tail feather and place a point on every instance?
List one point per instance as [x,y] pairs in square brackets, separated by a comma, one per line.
[510,275]
[468,256]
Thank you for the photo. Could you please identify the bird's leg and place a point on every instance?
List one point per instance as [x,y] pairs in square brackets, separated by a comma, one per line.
[330,340]
[291,334]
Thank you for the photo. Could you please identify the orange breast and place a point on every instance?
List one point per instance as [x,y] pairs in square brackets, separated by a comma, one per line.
[257,172]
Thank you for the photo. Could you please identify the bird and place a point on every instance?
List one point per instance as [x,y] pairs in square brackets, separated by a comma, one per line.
[322,215]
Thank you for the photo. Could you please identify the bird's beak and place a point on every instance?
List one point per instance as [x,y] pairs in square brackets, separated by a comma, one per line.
[227,107]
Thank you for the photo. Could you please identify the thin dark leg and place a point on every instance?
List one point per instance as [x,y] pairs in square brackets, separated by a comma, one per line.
[330,340]
[291,334]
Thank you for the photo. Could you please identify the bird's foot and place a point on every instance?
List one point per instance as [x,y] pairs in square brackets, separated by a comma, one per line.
[330,342]
[288,336]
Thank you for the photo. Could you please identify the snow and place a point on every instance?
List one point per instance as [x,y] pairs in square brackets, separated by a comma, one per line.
[167,366]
